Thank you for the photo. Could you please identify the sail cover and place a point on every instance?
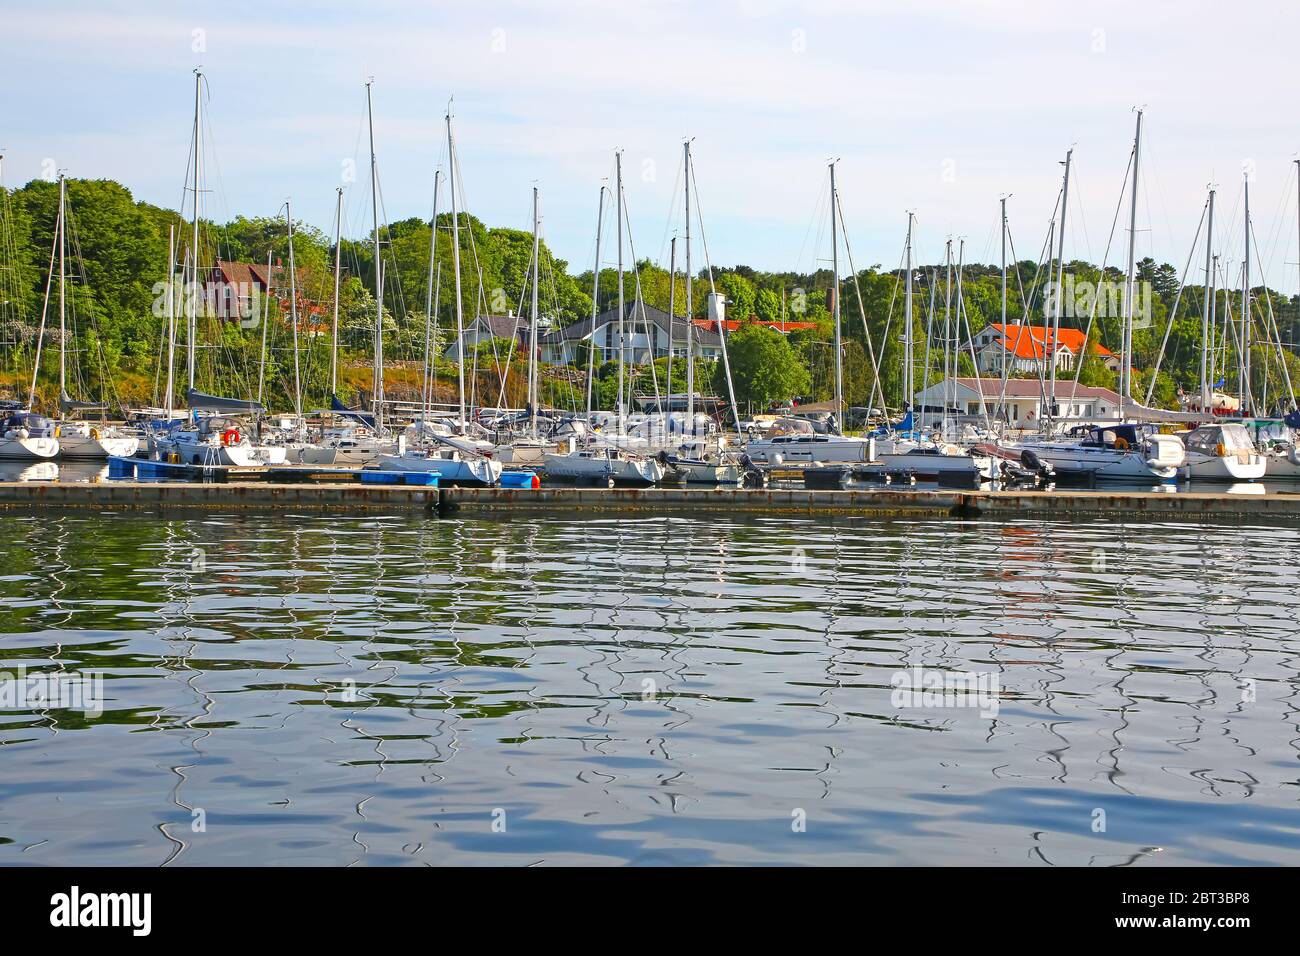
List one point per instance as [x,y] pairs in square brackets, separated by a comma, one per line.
[69,404]
[337,406]
[200,401]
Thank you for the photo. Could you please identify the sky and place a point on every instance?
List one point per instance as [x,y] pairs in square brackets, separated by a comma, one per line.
[940,108]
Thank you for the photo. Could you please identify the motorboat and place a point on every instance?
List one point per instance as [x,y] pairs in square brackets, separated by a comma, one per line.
[1110,452]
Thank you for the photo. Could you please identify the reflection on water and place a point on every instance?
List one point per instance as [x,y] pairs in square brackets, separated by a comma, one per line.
[334,690]
[53,470]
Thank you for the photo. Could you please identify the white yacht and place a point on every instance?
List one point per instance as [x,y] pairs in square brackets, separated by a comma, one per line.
[28,437]
[1119,452]
[795,441]
[939,461]
[216,440]
[80,439]
[453,461]
[603,463]
[1222,451]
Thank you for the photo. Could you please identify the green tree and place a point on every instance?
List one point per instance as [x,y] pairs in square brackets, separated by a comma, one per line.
[764,367]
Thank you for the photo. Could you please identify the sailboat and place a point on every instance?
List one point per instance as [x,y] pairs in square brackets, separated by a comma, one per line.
[24,435]
[606,461]
[531,447]
[1122,451]
[79,438]
[215,432]
[27,436]
[455,460]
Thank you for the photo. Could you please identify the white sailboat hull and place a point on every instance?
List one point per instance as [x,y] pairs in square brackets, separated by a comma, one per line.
[1283,467]
[454,471]
[1234,467]
[938,465]
[828,449]
[241,455]
[624,471]
[708,473]
[105,446]
[28,449]
[1102,464]
[358,454]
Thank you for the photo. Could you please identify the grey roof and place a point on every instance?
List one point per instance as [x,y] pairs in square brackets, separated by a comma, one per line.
[504,326]
[706,338]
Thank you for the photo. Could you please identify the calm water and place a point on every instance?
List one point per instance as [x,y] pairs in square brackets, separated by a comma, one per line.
[412,690]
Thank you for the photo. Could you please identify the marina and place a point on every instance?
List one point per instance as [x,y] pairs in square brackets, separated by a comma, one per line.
[884,477]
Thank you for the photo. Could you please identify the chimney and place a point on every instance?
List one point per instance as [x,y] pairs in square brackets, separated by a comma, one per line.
[717,309]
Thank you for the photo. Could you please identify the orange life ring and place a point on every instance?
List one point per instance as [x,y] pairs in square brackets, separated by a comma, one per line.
[230,436]
[1121,443]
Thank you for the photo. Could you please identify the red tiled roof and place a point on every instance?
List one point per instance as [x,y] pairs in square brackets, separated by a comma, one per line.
[1031,341]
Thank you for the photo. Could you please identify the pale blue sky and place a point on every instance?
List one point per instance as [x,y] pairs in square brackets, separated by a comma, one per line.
[934,106]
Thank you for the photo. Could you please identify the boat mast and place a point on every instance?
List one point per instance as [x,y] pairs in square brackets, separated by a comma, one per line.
[947,333]
[908,371]
[338,262]
[835,304]
[690,314]
[261,364]
[1243,372]
[672,320]
[1126,369]
[429,357]
[1003,203]
[378,385]
[532,325]
[595,300]
[293,315]
[171,318]
[191,299]
[63,308]
[455,262]
[1205,310]
[618,202]
[1060,290]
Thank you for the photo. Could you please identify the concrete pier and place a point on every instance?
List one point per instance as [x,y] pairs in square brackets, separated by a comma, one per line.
[883,503]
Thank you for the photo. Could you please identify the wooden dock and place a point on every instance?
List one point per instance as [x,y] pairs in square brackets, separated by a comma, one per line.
[355,496]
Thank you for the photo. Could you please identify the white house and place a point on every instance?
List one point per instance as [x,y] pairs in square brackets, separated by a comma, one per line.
[646,333]
[1027,348]
[1022,406]
[487,327]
